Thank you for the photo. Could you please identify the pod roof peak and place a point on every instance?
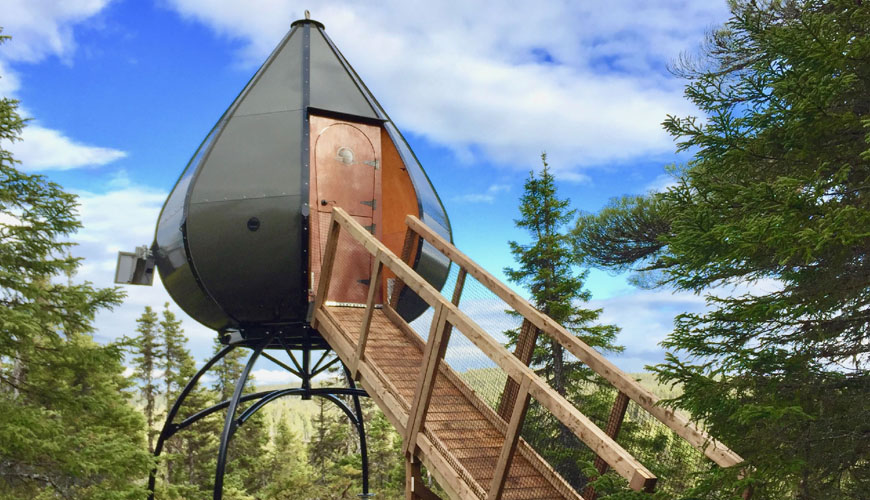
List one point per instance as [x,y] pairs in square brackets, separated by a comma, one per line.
[307,20]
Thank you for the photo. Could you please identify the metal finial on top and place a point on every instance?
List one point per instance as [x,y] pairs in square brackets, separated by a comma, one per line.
[307,14]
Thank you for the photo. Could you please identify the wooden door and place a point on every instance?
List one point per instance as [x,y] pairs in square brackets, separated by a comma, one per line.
[345,161]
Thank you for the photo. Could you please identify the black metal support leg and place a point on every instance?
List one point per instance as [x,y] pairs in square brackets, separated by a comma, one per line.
[230,421]
[170,428]
[361,428]
[261,399]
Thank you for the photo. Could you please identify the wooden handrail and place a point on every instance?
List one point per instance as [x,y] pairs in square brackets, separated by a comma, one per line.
[616,456]
[713,449]
[592,435]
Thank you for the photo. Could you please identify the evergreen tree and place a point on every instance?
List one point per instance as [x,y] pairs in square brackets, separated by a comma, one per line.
[175,355]
[328,438]
[386,464]
[198,445]
[334,452]
[227,370]
[67,428]
[547,269]
[189,455]
[147,354]
[289,472]
[776,190]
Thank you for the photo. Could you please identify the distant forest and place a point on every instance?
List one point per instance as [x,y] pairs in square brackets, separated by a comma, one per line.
[290,447]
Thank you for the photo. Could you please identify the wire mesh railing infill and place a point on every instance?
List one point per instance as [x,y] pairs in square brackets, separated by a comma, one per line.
[601,419]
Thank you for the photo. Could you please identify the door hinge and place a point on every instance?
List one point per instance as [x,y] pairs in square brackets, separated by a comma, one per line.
[371,204]
[371,228]
[373,163]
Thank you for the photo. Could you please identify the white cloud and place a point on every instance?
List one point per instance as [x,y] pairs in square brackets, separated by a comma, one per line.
[9,219]
[661,184]
[41,29]
[42,149]
[584,81]
[487,196]
[646,318]
[121,219]
[9,82]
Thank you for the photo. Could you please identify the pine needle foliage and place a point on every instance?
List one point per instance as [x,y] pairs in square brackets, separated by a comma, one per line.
[769,219]
[67,429]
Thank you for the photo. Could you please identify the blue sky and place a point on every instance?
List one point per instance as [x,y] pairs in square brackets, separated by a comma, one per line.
[121,93]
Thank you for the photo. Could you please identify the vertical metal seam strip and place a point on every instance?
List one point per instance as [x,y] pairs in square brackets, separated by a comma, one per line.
[306,166]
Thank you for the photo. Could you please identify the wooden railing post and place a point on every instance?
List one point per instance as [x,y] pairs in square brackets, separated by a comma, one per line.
[407,248]
[511,438]
[432,355]
[460,284]
[326,267]
[415,488]
[374,286]
[614,423]
[524,350]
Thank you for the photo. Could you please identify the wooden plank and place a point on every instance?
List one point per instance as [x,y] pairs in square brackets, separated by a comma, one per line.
[624,463]
[712,448]
[426,380]
[457,288]
[415,488]
[454,483]
[639,477]
[614,423]
[511,439]
[326,267]
[525,349]
[407,248]
[546,473]
[374,382]
[374,286]
[538,463]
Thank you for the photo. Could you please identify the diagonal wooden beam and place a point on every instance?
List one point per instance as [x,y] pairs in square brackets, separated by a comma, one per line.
[432,355]
[365,325]
[524,351]
[411,239]
[415,488]
[614,423]
[512,437]
[326,266]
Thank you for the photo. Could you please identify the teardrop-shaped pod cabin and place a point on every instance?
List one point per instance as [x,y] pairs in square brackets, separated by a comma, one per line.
[240,238]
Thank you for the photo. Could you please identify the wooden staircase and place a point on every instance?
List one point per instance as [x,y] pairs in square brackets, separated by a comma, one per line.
[473,450]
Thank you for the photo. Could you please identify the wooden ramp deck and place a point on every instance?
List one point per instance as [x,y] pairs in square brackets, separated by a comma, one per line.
[474,451]
[460,428]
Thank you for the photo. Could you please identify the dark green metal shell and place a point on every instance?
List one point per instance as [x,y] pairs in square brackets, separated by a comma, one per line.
[254,165]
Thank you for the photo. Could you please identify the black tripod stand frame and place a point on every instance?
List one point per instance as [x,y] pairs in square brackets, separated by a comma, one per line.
[261,399]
